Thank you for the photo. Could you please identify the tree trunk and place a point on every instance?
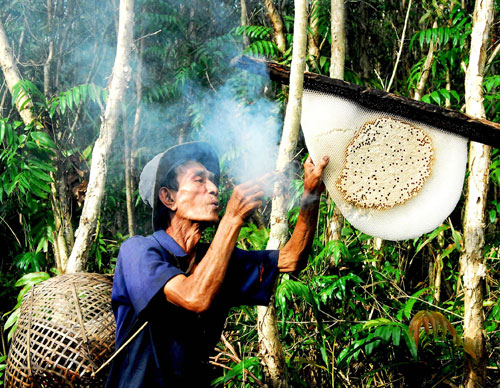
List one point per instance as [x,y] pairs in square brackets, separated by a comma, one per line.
[337,61]
[270,347]
[279,29]
[438,269]
[473,269]
[98,170]
[337,58]
[244,21]
[419,91]
[401,43]
[313,37]
[131,145]
[12,77]
[129,176]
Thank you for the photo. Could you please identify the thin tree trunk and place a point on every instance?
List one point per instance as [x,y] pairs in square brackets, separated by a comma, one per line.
[270,347]
[419,91]
[337,62]
[473,269]
[138,110]
[436,268]
[244,21]
[337,59]
[131,145]
[13,77]
[447,102]
[277,23]
[401,43]
[98,170]
[313,37]
[129,186]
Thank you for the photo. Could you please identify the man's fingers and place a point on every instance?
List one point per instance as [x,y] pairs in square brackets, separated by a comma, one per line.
[323,162]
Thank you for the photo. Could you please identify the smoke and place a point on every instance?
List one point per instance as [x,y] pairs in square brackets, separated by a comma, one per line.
[244,129]
[227,108]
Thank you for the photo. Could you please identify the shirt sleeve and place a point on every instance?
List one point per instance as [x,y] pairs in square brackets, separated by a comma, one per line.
[144,270]
[251,276]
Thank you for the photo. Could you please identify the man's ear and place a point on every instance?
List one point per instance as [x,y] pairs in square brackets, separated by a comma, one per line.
[167,197]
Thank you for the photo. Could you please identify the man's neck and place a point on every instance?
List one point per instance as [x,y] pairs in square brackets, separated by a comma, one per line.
[186,233]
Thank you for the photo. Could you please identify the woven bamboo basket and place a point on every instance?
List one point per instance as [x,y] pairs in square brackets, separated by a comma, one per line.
[66,330]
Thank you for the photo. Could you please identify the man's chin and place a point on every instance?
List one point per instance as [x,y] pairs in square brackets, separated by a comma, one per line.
[209,222]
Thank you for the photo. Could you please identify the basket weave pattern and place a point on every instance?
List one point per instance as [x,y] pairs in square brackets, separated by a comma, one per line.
[66,330]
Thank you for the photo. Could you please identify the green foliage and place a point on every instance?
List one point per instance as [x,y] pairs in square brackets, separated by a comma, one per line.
[3,365]
[72,98]
[27,282]
[237,372]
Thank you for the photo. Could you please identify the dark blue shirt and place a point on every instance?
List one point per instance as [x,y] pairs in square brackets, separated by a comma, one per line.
[173,349]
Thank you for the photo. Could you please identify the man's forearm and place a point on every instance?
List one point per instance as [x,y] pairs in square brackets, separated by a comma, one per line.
[197,291]
[297,248]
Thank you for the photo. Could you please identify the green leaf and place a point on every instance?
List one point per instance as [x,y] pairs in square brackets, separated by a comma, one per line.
[396,335]
[376,322]
[40,174]
[410,343]
[436,97]
[421,38]
[43,139]
[13,317]
[455,94]
[42,165]
[76,95]
[2,130]
[62,104]
[431,237]
[409,304]
[32,278]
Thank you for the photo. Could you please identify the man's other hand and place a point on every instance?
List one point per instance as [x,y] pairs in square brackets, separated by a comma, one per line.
[245,199]
[313,175]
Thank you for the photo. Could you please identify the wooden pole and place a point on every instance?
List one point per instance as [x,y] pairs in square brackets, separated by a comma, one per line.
[474,128]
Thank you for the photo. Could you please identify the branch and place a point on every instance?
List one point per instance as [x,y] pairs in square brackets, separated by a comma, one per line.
[400,48]
[480,130]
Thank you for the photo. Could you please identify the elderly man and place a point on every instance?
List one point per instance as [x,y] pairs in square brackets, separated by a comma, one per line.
[184,288]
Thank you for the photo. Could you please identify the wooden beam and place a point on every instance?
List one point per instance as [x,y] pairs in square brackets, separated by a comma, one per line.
[479,130]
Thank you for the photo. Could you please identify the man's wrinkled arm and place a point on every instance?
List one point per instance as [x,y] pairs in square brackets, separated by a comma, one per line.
[296,250]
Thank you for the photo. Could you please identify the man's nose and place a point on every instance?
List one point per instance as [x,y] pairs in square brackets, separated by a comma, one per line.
[212,187]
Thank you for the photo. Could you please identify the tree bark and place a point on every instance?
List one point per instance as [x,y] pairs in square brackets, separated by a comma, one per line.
[337,59]
[131,145]
[129,184]
[277,23]
[313,37]
[419,91]
[98,170]
[473,269]
[270,347]
[337,62]
[244,21]
[12,77]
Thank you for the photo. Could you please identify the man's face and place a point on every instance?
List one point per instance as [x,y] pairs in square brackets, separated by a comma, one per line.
[197,196]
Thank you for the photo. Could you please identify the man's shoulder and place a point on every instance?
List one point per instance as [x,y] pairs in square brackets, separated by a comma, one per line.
[138,244]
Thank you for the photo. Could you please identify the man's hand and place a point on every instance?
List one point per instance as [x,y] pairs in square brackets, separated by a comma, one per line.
[313,175]
[245,199]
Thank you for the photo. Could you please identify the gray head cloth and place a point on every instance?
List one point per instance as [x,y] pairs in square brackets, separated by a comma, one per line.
[157,169]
